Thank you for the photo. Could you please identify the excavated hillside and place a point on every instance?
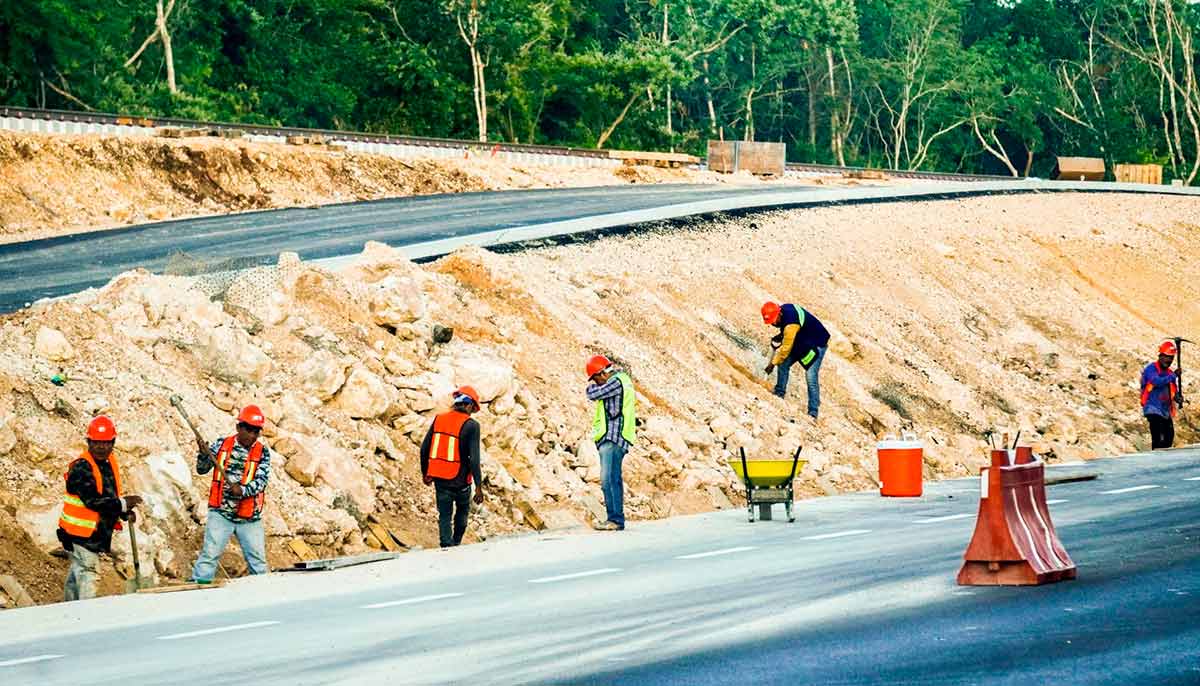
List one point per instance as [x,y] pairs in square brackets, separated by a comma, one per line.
[113,182]
[949,318]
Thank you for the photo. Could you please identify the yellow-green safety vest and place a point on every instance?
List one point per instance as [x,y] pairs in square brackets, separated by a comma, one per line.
[628,415]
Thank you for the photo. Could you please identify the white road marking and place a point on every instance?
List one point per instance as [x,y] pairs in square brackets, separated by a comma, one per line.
[576,575]
[1056,501]
[947,518]
[1194,478]
[27,660]
[218,630]
[411,601]
[1131,489]
[838,534]
[714,553]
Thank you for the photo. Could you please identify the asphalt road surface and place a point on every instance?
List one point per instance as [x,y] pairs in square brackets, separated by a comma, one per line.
[860,590]
[58,266]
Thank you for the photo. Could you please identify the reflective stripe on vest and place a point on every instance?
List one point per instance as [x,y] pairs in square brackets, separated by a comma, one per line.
[628,412]
[444,455]
[247,507]
[76,519]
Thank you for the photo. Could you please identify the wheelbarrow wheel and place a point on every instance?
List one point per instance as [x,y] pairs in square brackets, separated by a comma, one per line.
[790,516]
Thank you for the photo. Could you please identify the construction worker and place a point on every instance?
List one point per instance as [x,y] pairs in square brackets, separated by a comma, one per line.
[802,339]
[613,425]
[241,467]
[450,462]
[1160,385]
[92,509]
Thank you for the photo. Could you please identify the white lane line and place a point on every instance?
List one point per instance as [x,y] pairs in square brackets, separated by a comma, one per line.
[576,575]
[218,630]
[1194,478]
[1131,489]
[838,534]
[411,601]
[1056,501]
[946,518]
[714,553]
[27,660]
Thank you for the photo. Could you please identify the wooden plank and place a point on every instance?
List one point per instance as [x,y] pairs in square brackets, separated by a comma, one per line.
[180,587]
[1070,478]
[1080,169]
[1138,173]
[339,562]
[720,157]
[762,159]
[646,156]
[301,549]
[15,591]
[384,537]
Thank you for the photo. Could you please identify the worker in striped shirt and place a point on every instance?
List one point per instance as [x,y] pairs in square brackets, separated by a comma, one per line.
[613,425]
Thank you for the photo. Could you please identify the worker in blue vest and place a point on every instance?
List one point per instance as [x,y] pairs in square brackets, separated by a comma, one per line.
[802,338]
[1160,396]
[613,426]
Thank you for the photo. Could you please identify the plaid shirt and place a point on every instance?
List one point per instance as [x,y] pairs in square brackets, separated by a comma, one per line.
[612,393]
[233,474]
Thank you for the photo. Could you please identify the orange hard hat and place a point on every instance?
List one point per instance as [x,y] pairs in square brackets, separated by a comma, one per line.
[1168,348]
[770,312]
[252,415]
[466,391]
[597,364]
[102,429]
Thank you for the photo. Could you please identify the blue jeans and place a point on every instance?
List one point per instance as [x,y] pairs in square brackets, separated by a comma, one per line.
[812,373]
[250,536]
[611,456]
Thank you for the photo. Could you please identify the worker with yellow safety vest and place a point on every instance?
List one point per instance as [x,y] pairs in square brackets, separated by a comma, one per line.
[92,508]
[241,467]
[614,423]
[450,462]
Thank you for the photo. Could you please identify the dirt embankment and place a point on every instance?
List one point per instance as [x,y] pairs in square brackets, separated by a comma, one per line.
[949,318]
[52,185]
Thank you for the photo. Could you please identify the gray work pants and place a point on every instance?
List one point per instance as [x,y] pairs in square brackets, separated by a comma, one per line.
[83,574]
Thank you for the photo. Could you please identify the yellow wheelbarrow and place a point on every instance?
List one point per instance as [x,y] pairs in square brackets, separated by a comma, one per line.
[767,482]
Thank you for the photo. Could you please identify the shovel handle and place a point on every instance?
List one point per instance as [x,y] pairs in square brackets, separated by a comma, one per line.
[137,567]
[177,402]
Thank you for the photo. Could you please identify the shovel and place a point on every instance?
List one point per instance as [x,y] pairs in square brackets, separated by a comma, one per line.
[178,403]
[138,582]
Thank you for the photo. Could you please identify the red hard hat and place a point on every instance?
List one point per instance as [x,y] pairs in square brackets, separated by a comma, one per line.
[597,364]
[469,392]
[770,312]
[252,415]
[1168,348]
[102,429]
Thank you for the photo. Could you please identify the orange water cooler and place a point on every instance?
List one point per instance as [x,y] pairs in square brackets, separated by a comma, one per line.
[901,461]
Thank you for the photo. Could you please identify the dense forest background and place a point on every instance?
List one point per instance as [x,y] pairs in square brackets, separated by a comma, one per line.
[998,86]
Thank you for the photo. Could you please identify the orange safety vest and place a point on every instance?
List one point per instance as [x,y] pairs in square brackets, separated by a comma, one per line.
[444,460]
[248,507]
[77,520]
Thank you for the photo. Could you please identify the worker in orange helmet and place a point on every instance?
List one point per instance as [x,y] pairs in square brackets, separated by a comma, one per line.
[92,508]
[802,338]
[614,422]
[450,462]
[241,467]
[1160,395]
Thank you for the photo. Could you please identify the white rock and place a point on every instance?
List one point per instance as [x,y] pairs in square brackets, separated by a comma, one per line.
[395,301]
[229,353]
[322,374]
[398,364]
[722,426]
[8,435]
[53,345]
[364,395]
[490,375]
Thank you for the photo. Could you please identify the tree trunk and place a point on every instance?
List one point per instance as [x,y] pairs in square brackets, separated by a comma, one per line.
[637,93]
[712,112]
[168,55]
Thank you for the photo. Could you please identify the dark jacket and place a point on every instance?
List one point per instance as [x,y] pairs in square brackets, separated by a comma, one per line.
[468,453]
[802,333]
[81,483]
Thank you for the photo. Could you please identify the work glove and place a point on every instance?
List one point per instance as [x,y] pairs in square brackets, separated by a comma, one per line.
[203,446]
[769,368]
[428,480]
[478,496]
[235,490]
[131,516]
[132,501]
